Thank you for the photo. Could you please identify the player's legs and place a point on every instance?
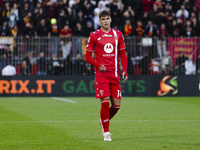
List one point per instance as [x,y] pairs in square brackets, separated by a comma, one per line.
[105,118]
[104,113]
[113,109]
[102,90]
[115,99]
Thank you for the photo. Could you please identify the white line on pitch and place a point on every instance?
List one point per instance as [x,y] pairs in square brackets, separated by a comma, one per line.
[63,99]
[119,121]
[50,121]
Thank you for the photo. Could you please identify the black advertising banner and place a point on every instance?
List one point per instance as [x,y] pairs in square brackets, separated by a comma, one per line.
[84,86]
[189,85]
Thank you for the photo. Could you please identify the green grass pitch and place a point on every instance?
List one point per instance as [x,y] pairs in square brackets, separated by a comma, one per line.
[142,123]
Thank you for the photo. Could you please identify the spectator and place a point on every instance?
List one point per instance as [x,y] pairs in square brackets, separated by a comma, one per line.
[154,12]
[198,64]
[161,42]
[174,31]
[43,30]
[78,66]
[144,65]
[154,67]
[7,52]
[62,19]
[89,28]
[12,19]
[104,4]
[116,22]
[166,63]
[79,33]
[182,18]
[15,32]
[42,66]
[179,68]
[24,68]
[66,35]
[129,14]
[188,4]
[161,19]
[137,35]
[88,11]
[127,28]
[195,27]
[180,61]
[16,11]
[28,18]
[180,25]
[190,67]
[4,12]
[4,29]
[189,30]
[9,70]
[151,29]
[27,64]
[55,66]
[80,18]
[51,9]
[28,31]
[169,9]
[25,9]
[25,2]
[166,70]
[38,15]
[139,31]
[27,34]
[63,5]
[76,7]
[97,10]
[183,12]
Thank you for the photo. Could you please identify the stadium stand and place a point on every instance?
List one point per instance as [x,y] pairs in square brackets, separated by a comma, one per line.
[60,28]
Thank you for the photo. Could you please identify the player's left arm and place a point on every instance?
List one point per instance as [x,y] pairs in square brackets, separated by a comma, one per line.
[124,64]
[123,57]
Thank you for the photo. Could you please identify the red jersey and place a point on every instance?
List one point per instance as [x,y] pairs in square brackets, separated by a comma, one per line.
[106,46]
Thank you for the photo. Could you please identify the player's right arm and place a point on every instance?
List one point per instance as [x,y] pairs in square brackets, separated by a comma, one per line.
[89,50]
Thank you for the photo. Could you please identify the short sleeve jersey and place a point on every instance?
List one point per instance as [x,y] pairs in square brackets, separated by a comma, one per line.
[106,46]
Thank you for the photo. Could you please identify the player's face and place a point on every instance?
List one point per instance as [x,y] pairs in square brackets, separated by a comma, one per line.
[105,22]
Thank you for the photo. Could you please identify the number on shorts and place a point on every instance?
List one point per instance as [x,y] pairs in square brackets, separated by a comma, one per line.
[118,93]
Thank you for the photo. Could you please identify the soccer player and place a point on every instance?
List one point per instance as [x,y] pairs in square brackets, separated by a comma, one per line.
[107,44]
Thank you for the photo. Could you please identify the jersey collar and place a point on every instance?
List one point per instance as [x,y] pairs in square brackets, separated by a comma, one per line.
[106,31]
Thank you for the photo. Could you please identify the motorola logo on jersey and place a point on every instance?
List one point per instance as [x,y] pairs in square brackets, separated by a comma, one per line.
[108,48]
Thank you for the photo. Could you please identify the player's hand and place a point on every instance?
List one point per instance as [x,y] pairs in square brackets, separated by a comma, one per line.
[102,68]
[124,76]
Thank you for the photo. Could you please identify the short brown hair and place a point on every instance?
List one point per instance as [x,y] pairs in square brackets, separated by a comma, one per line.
[104,13]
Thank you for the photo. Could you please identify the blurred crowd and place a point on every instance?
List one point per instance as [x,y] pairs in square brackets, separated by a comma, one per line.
[133,17]
[69,18]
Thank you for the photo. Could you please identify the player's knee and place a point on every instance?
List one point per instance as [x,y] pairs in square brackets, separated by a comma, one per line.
[105,103]
[116,106]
